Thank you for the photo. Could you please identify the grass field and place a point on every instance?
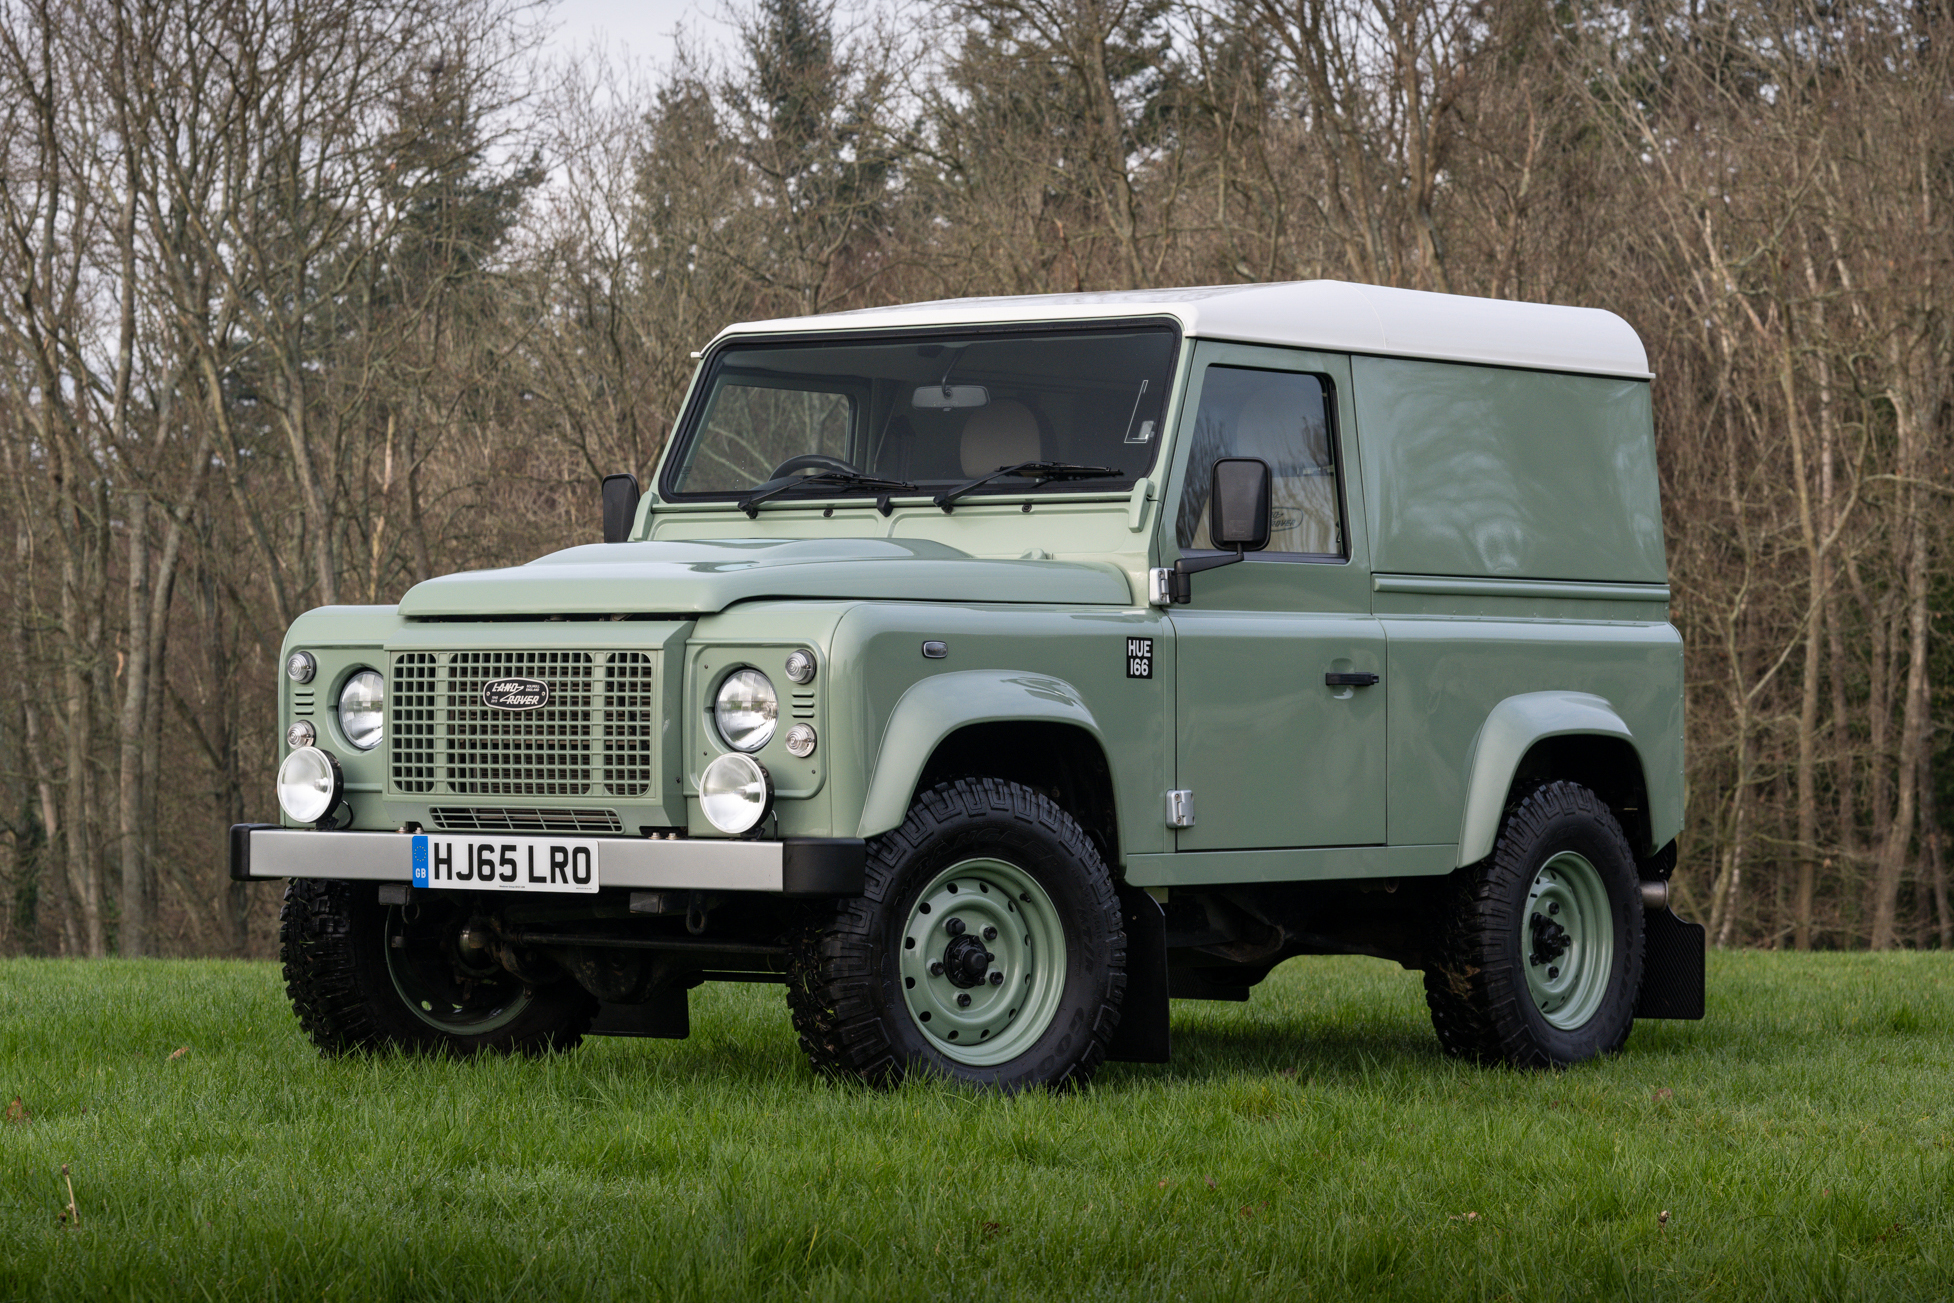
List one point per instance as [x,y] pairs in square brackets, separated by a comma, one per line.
[1310,1144]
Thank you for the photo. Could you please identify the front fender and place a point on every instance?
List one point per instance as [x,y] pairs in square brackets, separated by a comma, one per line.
[1509,732]
[940,705]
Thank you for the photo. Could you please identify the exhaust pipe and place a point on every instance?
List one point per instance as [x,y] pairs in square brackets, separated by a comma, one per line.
[1655,893]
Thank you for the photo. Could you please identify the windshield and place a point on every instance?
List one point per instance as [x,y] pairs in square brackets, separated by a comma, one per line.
[929,413]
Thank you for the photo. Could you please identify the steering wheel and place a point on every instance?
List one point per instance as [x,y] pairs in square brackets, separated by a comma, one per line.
[811,461]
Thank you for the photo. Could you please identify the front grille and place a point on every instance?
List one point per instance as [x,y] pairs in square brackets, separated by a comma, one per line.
[630,722]
[519,753]
[593,737]
[494,819]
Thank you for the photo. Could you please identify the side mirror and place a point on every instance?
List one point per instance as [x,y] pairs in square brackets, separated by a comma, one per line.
[1238,517]
[620,506]
[1238,505]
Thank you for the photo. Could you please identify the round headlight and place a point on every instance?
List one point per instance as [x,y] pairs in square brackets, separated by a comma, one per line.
[300,667]
[800,666]
[735,793]
[363,709]
[309,784]
[745,710]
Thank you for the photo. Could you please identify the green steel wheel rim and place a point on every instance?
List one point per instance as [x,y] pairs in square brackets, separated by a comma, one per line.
[1567,941]
[440,985]
[982,962]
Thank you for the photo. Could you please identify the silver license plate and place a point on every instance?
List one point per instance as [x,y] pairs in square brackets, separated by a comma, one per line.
[480,863]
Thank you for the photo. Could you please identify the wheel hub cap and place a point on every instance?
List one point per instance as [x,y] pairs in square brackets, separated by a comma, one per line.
[965,961]
[1568,944]
[982,961]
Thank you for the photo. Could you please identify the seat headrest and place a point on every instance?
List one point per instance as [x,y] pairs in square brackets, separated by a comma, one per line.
[1001,434]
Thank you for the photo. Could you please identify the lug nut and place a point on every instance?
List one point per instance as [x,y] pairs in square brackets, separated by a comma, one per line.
[936,968]
[1553,973]
[963,999]
[954,926]
[1553,907]
[990,933]
[997,978]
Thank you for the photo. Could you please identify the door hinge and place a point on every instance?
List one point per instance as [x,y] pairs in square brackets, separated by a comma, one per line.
[1180,808]
[1160,586]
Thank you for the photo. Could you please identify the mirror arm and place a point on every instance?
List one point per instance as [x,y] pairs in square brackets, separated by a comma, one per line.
[1180,584]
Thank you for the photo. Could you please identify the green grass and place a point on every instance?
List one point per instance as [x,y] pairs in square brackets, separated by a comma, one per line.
[1310,1144]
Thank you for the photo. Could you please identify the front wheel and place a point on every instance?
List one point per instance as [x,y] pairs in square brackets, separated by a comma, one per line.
[987,947]
[413,977]
[1541,958]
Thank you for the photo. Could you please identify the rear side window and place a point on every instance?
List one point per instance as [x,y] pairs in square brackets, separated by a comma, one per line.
[1284,418]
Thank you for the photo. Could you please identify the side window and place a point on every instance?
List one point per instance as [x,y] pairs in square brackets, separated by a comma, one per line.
[1283,417]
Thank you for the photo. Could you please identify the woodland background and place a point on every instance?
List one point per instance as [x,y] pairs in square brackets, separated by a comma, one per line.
[302,301]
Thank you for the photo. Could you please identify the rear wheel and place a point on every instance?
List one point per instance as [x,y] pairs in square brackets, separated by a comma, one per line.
[987,947]
[418,977]
[1542,952]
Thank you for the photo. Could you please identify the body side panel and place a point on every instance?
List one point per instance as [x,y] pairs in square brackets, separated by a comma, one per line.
[1448,675]
[1289,864]
[1060,665]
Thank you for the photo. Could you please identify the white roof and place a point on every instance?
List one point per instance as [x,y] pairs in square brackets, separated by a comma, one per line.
[1332,315]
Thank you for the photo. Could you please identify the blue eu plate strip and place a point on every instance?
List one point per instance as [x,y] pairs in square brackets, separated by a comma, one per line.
[420,861]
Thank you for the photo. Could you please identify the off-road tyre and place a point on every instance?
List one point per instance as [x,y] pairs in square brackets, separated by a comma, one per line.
[332,939]
[1482,1006]
[844,984]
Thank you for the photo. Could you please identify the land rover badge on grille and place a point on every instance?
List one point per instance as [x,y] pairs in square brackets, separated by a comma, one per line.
[515,694]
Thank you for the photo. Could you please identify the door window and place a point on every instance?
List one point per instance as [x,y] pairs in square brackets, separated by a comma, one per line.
[1284,418]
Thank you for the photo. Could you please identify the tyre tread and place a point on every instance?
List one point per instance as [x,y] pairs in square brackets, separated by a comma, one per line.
[830,970]
[1474,985]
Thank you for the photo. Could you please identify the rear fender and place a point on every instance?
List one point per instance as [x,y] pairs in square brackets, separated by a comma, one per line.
[1513,728]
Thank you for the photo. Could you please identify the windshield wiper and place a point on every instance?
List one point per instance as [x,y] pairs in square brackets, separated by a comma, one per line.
[750,504]
[1042,472]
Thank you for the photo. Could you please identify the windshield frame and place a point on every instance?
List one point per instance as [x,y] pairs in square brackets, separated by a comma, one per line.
[692,417]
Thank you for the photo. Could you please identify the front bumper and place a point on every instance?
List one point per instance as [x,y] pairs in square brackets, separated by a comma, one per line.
[803,866]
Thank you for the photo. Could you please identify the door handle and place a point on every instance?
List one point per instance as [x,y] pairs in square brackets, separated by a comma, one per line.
[1360,679]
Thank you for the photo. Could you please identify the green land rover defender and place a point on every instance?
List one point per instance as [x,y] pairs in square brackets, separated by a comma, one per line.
[992,672]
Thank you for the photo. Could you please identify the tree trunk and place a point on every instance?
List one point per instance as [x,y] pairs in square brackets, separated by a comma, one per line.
[132,936]
[1914,724]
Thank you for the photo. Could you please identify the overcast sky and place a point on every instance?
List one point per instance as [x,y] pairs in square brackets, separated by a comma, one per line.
[641,28]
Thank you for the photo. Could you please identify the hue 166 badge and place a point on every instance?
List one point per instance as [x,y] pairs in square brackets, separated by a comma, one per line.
[1139,658]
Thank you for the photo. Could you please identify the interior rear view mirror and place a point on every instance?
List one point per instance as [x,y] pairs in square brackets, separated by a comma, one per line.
[945,397]
[620,506]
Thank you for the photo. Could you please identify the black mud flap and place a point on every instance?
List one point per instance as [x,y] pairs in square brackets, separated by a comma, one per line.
[1142,1033]
[667,1015]
[1672,967]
